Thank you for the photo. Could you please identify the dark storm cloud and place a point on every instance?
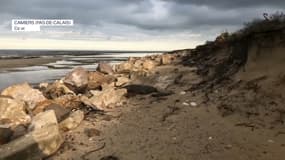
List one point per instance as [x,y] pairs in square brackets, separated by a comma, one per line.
[229,4]
[130,18]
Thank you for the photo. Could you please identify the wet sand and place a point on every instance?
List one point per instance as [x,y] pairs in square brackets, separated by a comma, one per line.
[17,63]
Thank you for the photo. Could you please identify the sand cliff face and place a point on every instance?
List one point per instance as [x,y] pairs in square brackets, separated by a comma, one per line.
[246,72]
[252,55]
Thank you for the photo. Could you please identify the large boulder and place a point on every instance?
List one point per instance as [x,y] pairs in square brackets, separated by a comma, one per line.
[121,81]
[138,65]
[105,68]
[77,80]
[167,59]
[5,134]
[149,65]
[44,140]
[157,59]
[13,112]
[66,103]
[25,93]
[69,101]
[97,79]
[72,121]
[60,112]
[109,97]
[57,89]
[125,67]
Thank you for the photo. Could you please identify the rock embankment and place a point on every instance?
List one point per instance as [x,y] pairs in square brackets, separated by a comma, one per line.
[34,120]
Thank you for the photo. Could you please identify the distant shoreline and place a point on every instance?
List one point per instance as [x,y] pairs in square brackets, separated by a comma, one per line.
[17,63]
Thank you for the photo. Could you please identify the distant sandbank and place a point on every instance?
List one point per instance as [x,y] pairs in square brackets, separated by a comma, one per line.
[17,63]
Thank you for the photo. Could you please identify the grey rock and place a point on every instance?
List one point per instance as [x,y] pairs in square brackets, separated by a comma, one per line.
[77,80]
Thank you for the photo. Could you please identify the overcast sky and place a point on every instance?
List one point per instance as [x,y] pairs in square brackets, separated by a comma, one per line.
[128,24]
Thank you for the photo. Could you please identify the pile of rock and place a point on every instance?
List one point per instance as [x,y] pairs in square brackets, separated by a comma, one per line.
[32,121]
[145,64]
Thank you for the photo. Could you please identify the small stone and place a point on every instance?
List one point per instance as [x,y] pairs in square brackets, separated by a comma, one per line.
[228,146]
[270,141]
[193,104]
[185,104]
[210,138]
[182,93]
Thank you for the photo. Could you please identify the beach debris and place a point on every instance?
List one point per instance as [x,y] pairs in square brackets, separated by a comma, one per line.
[43,140]
[97,79]
[72,121]
[77,80]
[105,68]
[13,112]
[108,97]
[25,93]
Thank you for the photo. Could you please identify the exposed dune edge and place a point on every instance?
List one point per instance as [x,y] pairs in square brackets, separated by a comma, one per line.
[247,71]
[256,54]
